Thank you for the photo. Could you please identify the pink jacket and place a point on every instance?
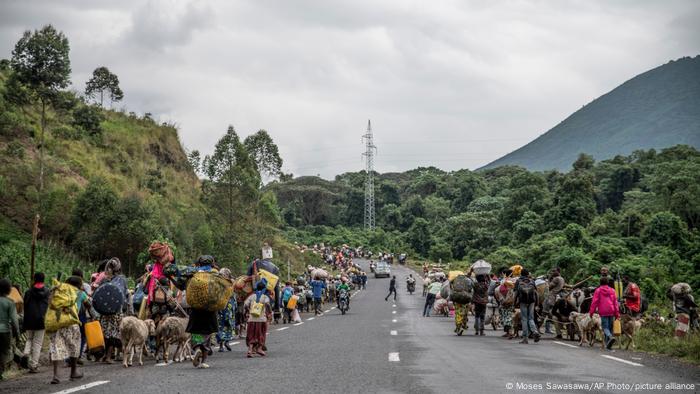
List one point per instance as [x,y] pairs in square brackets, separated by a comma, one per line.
[605,301]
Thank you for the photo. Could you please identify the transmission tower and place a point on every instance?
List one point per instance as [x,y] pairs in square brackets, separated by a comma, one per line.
[369,182]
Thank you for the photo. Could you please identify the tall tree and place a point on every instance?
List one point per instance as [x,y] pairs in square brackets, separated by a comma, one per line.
[103,81]
[41,63]
[265,153]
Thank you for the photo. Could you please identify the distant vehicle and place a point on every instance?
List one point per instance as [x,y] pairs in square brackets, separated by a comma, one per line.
[343,301]
[382,269]
[402,258]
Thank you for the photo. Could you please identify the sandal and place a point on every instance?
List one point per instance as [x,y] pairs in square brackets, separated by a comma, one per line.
[249,354]
[55,381]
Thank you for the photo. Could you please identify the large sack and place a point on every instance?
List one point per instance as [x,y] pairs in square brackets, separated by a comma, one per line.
[319,273]
[266,265]
[462,290]
[62,311]
[17,299]
[160,252]
[108,298]
[271,278]
[481,267]
[681,289]
[243,286]
[208,291]
[445,290]
[439,305]
[453,274]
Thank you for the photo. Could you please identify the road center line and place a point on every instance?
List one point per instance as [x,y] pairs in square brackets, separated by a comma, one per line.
[393,312]
[393,320]
[621,360]
[311,318]
[327,310]
[282,329]
[233,343]
[565,344]
[394,357]
[393,332]
[298,324]
[83,387]
[393,306]
[333,308]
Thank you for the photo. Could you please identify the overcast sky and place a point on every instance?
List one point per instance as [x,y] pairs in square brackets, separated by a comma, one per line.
[455,84]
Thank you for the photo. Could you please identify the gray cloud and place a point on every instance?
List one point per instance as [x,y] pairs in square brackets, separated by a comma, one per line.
[453,84]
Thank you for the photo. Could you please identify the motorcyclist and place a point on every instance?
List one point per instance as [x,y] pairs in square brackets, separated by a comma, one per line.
[340,286]
[410,281]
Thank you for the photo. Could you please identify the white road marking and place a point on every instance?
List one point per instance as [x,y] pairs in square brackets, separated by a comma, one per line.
[233,343]
[393,320]
[163,364]
[565,344]
[298,324]
[393,306]
[621,360]
[327,310]
[393,332]
[394,357]
[311,318]
[393,312]
[282,328]
[333,308]
[83,387]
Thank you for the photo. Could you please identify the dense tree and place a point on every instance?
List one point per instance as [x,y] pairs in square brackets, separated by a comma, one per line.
[265,153]
[103,82]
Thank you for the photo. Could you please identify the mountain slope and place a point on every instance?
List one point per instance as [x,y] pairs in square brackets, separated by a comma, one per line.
[657,109]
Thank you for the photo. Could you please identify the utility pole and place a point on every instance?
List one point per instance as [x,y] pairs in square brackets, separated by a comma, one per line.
[369,181]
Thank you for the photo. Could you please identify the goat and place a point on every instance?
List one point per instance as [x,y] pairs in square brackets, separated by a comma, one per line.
[135,333]
[629,326]
[588,327]
[172,331]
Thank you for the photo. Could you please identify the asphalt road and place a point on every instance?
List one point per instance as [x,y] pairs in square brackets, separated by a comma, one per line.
[384,347]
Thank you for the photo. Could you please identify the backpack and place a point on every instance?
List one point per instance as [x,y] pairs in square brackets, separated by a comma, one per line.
[462,290]
[527,293]
[286,295]
[257,307]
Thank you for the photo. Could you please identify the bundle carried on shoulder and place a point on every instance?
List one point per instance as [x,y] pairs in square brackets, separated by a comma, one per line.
[208,290]
[243,286]
[62,311]
[462,290]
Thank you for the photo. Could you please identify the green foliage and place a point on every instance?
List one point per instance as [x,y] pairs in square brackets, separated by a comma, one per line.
[40,62]
[88,118]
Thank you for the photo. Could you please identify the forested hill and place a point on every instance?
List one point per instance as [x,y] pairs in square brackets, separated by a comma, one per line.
[657,109]
[639,214]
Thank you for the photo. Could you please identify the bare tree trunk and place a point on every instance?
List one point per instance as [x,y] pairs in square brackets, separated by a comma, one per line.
[37,217]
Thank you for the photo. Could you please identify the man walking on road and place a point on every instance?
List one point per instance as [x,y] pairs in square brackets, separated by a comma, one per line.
[392,288]
[433,291]
[317,286]
[526,295]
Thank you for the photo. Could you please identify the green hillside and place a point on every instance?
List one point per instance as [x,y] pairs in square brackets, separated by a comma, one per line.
[114,181]
[657,109]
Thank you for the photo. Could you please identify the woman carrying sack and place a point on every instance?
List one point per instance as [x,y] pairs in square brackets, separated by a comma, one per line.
[202,322]
[111,322]
[259,312]
[226,318]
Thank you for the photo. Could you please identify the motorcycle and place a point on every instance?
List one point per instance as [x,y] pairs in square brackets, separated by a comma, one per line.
[343,301]
[372,266]
[411,286]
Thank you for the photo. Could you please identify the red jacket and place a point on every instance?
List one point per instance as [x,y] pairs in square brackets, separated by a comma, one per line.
[634,300]
[605,301]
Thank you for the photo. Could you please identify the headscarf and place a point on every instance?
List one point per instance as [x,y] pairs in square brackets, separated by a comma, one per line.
[260,288]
